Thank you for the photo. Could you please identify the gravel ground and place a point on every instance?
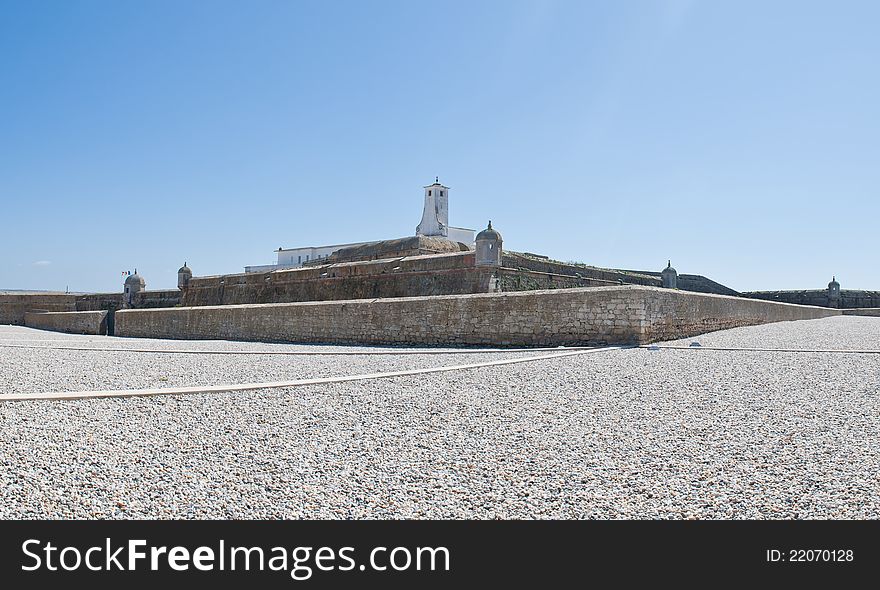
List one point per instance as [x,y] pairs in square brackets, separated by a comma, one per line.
[19,335]
[43,369]
[622,434]
[834,333]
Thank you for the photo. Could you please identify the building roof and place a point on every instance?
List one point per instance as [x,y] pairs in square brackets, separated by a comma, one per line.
[436,183]
[135,278]
[337,246]
[489,234]
[407,246]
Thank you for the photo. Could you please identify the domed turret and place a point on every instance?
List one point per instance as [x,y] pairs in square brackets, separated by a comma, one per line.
[833,293]
[669,277]
[489,234]
[133,284]
[488,247]
[184,274]
[135,281]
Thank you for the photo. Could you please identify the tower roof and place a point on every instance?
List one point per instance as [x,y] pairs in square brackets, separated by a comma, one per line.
[135,279]
[489,234]
[436,183]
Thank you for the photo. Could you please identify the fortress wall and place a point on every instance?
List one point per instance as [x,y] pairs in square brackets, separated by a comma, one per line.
[143,299]
[452,273]
[701,284]
[72,322]
[13,306]
[868,311]
[585,316]
[849,298]
[675,314]
[414,276]
[697,283]
[99,301]
[340,282]
[686,282]
[817,297]
[855,299]
[510,279]
[150,299]
[514,260]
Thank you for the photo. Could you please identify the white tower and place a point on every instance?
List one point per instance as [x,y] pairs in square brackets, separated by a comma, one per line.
[435,216]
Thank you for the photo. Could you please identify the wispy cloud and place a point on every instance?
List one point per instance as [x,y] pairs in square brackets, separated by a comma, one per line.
[42,263]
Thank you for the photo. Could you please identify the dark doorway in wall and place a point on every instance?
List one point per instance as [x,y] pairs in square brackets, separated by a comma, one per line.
[111,320]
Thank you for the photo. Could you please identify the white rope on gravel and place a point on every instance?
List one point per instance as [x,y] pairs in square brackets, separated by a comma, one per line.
[73,395]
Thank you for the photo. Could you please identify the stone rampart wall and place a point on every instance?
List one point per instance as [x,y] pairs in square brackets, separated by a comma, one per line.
[71,322]
[13,306]
[445,274]
[849,298]
[867,311]
[99,301]
[582,316]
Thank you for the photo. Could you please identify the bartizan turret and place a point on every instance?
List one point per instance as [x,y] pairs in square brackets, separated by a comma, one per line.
[134,284]
[833,293]
[488,247]
[184,274]
[669,277]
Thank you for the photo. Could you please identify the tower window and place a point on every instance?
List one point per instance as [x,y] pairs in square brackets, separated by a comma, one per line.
[441,193]
[429,193]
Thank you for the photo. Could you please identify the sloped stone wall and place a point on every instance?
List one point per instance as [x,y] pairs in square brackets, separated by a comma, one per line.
[14,306]
[849,298]
[865,311]
[71,322]
[587,316]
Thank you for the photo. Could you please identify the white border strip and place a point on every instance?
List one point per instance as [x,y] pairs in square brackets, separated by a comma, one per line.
[73,395]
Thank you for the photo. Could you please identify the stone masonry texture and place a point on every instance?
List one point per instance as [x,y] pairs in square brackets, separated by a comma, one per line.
[13,306]
[566,317]
[72,322]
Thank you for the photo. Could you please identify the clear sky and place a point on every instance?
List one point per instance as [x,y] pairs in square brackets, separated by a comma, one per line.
[740,139]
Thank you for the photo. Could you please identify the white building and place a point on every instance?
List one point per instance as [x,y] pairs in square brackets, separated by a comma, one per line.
[435,222]
[296,257]
[435,216]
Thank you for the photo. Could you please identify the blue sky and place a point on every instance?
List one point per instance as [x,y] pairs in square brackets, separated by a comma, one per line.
[740,139]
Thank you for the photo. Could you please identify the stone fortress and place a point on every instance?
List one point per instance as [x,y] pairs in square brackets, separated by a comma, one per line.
[438,286]
[833,296]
